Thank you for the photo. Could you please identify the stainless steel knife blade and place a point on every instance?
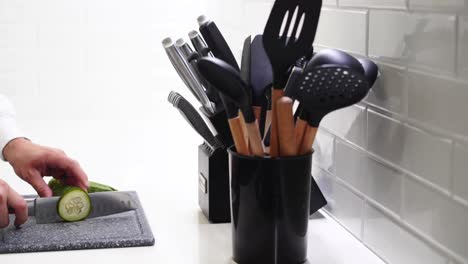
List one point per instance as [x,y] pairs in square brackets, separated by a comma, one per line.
[103,204]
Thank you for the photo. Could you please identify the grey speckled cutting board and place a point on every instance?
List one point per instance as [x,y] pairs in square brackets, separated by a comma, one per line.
[129,229]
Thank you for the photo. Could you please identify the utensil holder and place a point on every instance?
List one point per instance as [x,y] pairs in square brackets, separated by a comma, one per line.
[213,184]
[270,199]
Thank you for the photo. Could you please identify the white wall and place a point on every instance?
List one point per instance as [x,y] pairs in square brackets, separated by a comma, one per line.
[91,77]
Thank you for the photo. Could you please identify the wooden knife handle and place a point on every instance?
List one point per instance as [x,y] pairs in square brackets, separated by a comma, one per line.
[238,136]
[276,94]
[286,133]
[255,139]
[308,141]
[300,129]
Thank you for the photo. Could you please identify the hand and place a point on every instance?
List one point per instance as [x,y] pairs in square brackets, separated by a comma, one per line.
[8,197]
[31,162]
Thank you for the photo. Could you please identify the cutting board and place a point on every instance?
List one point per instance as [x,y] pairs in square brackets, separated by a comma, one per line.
[129,229]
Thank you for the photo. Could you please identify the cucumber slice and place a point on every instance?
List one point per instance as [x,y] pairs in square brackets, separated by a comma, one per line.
[74,205]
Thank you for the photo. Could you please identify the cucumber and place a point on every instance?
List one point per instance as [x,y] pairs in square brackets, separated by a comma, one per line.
[74,205]
[58,188]
[99,187]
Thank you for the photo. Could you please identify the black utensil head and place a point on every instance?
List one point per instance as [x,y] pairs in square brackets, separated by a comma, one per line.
[289,33]
[227,81]
[371,71]
[261,74]
[328,88]
[335,57]
[245,63]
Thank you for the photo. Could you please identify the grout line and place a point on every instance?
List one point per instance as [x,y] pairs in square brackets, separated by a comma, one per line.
[367,32]
[451,171]
[457,71]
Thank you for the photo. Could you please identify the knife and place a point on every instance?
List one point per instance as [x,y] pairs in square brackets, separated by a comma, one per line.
[200,45]
[192,57]
[186,74]
[103,204]
[194,119]
[216,41]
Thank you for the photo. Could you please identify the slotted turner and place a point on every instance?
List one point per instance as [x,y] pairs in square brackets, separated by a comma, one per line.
[288,36]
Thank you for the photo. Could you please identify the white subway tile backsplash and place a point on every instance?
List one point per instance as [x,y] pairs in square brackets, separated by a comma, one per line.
[329,2]
[324,151]
[427,156]
[348,123]
[18,60]
[327,183]
[460,171]
[392,4]
[438,101]
[386,137]
[383,184]
[419,152]
[438,6]
[395,244]
[437,216]
[18,36]
[463,47]
[348,209]
[388,31]
[422,41]
[332,33]
[390,92]
[350,165]
[19,12]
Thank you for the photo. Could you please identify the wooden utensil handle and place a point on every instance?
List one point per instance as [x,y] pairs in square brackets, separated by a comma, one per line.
[257,112]
[308,141]
[244,129]
[286,133]
[267,122]
[300,129]
[238,136]
[255,139]
[276,94]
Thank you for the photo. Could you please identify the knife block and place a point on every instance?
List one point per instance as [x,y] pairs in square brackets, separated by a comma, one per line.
[213,184]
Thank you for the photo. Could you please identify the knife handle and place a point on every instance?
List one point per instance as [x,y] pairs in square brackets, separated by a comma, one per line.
[216,41]
[193,118]
[29,200]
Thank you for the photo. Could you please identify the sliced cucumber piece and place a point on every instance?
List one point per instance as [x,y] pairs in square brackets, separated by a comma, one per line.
[74,205]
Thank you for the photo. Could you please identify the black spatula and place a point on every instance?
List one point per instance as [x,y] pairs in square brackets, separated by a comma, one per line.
[288,36]
[261,79]
[227,79]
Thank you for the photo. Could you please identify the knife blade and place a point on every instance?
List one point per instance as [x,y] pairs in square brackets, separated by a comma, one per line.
[103,204]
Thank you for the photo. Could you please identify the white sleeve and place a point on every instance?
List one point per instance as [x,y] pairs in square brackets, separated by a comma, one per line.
[8,128]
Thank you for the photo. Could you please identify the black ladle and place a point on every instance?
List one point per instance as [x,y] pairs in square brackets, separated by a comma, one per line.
[331,80]
[228,81]
[371,70]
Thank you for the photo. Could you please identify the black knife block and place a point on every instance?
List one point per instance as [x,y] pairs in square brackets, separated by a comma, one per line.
[213,184]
